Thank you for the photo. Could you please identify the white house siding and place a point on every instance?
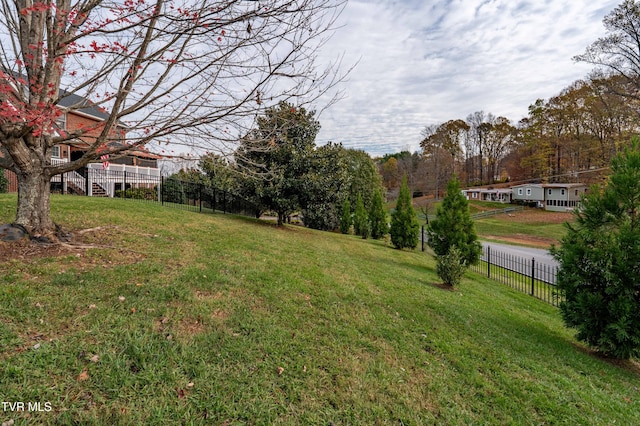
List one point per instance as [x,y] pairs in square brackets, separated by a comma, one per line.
[528,193]
[563,197]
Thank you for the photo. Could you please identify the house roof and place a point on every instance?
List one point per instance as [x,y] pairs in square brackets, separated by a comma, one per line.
[489,191]
[563,185]
[535,185]
[82,105]
[550,185]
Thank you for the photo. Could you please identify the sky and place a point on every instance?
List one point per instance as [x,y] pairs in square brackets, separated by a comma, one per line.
[424,62]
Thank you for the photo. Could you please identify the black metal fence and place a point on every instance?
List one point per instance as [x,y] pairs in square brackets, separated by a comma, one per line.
[170,192]
[526,275]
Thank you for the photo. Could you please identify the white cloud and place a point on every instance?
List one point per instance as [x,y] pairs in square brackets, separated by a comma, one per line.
[423,63]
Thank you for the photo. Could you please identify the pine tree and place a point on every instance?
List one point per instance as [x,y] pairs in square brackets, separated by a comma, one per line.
[599,274]
[453,226]
[404,221]
[345,218]
[360,219]
[378,217]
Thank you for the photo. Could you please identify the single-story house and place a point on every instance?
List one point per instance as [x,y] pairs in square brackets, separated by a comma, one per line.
[501,195]
[557,197]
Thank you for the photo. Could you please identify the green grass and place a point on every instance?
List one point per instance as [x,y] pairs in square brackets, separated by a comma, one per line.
[227,320]
[499,226]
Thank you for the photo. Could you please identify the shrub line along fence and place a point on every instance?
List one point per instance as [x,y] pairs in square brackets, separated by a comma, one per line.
[170,192]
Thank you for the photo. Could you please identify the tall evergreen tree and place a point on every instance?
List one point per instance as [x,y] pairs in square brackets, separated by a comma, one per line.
[345,219]
[453,226]
[378,217]
[599,258]
[404,220]
[360,219]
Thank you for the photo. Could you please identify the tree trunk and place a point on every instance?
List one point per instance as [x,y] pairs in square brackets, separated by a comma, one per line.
[33,211]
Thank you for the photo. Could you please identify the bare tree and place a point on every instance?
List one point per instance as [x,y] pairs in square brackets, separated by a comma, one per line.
[196,73]
[443,143]
[618,52]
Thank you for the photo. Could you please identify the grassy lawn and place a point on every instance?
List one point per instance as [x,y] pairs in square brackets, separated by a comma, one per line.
[503,226]
[183,318]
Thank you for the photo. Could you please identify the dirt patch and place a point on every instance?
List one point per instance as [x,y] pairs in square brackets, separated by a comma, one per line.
[524,240]
[538,216]
[27,251]
[443,286]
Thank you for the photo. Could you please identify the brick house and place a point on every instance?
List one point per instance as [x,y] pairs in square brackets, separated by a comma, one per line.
[97,178]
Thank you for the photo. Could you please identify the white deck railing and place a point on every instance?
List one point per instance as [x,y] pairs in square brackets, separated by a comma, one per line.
[114,175]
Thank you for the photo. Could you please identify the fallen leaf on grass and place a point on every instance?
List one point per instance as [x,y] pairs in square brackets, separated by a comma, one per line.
[280,371]
[83,376]
[121,298]
[95,358]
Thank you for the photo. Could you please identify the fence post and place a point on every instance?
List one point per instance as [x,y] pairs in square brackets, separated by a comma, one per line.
[488,261]
[200,195]
[87,187]
[422,237]
[533,275]
[124,184]
[161,190]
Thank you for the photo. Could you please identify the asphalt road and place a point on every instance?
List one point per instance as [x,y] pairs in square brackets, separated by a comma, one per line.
[540,255]
[518,259]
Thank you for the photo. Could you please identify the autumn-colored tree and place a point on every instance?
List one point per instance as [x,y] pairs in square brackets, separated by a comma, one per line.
[195,74]
[443,143]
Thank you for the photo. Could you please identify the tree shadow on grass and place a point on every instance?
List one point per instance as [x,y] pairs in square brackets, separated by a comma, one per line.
[630,365]
[445,287]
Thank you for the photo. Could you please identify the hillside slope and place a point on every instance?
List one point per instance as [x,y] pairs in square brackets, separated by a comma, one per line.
[176,316]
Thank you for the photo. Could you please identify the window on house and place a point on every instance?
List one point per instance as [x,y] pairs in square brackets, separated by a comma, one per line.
[519,191]
[549,191]
[562,191]
[528,191]
[576,192]
[475,195]
[55,151]
[61,122]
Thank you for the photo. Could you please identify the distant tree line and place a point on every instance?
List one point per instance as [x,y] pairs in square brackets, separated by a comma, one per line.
[567,138]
